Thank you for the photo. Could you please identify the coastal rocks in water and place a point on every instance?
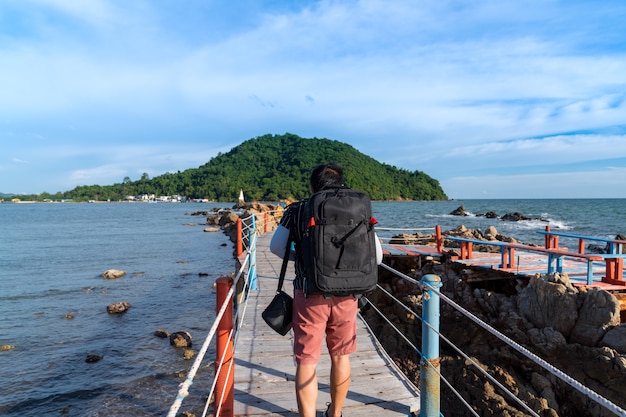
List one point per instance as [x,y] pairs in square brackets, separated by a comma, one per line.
[118,308]
[113,273]
[550,301]
[515,217]
[69,315]
[599,312]
[162,334]
[93,358]
[459,211]
[491,215]
[211,229]
[180,339]
[189,354]
[6,347]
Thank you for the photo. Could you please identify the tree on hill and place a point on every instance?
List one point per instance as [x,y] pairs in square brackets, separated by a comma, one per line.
[271,168]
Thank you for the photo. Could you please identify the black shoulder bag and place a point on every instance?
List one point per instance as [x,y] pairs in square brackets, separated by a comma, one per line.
[278,313]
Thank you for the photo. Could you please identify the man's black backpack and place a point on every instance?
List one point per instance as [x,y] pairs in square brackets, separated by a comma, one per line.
[339,243]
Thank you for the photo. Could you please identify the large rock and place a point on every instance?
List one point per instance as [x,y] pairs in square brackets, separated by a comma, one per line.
[118,308]
[459,211]
[491,233]
[113,273]
[550,301]
[599,312]
[616,338]
[180,339]
[515,217]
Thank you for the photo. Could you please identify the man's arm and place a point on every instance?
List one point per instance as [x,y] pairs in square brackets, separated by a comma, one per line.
[379,251]
[278,244]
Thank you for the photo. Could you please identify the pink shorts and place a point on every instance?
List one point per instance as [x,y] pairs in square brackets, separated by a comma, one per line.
[315,317]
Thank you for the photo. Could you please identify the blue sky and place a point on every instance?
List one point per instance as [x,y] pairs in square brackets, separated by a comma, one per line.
[494,99]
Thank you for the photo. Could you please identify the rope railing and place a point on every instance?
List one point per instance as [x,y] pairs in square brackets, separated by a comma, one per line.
[247,234]
[183,391]
[529,355]
[421,286]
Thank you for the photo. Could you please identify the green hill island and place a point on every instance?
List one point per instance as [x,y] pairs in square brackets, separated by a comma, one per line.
[268,168]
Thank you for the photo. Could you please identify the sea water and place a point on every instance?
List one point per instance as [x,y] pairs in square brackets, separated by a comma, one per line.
[52,257]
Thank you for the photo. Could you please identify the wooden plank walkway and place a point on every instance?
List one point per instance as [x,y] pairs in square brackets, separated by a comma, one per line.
[265,368]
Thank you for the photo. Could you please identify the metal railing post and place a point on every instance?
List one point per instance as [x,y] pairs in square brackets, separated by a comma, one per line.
[430,362]
[252,242]
[239,238]
[439,239]
[225,384]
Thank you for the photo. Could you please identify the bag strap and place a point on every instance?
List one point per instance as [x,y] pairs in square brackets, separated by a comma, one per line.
[283,268]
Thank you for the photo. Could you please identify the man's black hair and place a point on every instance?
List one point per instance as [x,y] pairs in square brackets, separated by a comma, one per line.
[328,175]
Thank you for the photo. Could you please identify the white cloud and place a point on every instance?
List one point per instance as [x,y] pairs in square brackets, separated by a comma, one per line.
[438,86]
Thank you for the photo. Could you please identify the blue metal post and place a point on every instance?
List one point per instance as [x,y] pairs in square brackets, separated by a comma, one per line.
[252,242]
[429,364]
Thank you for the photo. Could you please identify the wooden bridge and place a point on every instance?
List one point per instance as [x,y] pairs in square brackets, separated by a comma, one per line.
[265,368]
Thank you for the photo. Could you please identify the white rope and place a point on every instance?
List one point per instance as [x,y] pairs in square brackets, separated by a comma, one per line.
[217,372]
[539,361]
[491,378]
[239,320]
[564,377]
[184,387]
[230,369]
[421,355]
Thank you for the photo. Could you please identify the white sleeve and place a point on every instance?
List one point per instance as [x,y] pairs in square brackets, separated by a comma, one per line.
[379,251]
[279,243]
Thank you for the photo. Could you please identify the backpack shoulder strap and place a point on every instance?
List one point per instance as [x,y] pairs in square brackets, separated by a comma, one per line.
[283,268]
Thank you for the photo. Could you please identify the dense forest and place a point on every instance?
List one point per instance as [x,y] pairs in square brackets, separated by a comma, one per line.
[270,168]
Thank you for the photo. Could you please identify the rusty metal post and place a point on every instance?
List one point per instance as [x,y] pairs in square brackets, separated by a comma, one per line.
[225,385]
[439,239]
[239,238]
[430,363]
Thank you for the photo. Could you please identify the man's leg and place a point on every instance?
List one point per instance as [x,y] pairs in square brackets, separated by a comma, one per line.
[306,390]
[339,383]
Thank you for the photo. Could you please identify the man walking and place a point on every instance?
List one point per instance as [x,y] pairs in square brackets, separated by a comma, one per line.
[317,315]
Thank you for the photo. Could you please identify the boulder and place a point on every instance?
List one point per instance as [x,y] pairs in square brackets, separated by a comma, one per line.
[491,233]
[616,338]
[228,218]
[118,308]
[515,217]
[550,301]
[93,358]
[113,273]
[491,215]
[180,339]
[547,339]
[599,312]
[459,211]
[212,229]
[162,334]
